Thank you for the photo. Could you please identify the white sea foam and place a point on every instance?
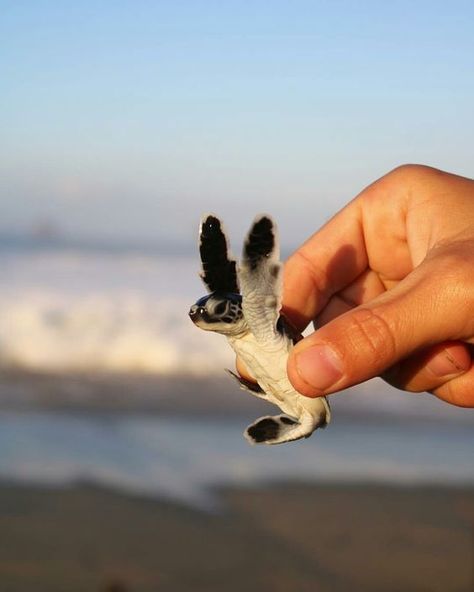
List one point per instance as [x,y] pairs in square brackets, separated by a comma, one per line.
[73,311]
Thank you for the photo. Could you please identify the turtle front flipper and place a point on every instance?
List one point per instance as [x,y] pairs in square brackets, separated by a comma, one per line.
[260,278]
[219,272]
[282,428]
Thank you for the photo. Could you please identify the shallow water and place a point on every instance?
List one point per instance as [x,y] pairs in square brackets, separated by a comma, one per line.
[183,458]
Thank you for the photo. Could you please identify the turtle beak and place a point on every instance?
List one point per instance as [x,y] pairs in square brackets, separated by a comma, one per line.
[195,313]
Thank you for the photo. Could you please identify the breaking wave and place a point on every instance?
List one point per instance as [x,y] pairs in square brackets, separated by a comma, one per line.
[92,312]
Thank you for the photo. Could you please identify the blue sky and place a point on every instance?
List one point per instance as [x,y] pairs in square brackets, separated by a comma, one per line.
[128,119]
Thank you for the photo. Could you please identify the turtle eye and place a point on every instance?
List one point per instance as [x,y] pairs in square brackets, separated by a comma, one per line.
[220,308]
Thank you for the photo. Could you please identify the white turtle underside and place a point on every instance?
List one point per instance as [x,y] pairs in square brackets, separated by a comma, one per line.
[263,348]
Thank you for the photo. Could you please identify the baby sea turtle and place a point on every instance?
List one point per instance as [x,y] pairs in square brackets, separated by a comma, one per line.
[250,319]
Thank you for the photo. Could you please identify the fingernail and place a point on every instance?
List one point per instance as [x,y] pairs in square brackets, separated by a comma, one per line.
[319,366]
[445,365]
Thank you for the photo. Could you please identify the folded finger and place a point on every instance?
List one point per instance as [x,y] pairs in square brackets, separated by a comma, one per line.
[365,288]
[430,369]
[369,233]
[459,391]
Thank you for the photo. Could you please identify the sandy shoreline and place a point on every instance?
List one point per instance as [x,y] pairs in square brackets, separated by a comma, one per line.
[278,538]
[274,538]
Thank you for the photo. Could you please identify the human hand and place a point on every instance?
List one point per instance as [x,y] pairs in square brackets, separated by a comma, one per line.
[389,283]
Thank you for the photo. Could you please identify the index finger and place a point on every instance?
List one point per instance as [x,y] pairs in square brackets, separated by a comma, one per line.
[367,233]
[329,260]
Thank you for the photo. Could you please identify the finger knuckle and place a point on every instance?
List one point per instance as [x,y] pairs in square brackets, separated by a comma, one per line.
[411,171]
[408,176]
[318,275]
[413,179]
[369,331]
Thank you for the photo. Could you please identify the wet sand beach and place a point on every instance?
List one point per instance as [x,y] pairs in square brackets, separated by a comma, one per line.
[273,538]
[157,437]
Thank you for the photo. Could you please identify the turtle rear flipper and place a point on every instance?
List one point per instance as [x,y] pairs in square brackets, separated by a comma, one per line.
[278,429]
[248,385]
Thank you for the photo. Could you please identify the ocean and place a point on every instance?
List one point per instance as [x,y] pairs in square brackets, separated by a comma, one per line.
[91,309]
[83,311]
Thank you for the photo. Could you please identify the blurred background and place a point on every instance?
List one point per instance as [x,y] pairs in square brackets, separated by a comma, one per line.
[123,466]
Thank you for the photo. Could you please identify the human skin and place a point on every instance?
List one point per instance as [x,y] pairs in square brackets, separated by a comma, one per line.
[389,284]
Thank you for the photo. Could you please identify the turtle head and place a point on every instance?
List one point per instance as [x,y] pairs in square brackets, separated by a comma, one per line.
[219,312]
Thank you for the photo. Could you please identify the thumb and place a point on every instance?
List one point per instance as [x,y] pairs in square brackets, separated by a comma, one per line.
[434,303]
